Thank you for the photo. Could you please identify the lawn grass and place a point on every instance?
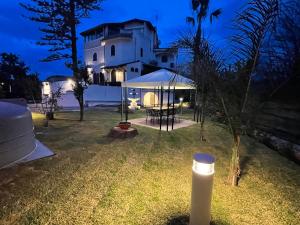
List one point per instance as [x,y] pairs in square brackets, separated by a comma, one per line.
[93,179]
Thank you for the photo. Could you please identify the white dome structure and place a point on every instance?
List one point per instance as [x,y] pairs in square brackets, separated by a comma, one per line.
[17,139]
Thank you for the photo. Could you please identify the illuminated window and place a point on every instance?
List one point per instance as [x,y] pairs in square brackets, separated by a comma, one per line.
[119,76]
[95,57]
[113,50]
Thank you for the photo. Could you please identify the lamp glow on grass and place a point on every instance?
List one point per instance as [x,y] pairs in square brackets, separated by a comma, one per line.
[145,180]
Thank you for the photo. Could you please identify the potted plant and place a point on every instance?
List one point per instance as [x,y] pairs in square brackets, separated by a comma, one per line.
[124,125]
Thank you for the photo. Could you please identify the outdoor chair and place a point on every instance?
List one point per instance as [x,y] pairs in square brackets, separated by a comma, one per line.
[177,114]
[174,114]
[148,114]
[155,115]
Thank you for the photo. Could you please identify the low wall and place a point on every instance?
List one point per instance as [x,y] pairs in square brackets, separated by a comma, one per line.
[280,119]
[277,125]
[282,146]
[102,95]
[68,100]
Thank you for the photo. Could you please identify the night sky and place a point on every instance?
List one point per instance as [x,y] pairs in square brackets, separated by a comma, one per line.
[19,35]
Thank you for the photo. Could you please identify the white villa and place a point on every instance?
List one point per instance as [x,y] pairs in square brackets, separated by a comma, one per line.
[117,52]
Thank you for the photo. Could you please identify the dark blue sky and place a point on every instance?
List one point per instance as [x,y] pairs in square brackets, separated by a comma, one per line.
[19,35]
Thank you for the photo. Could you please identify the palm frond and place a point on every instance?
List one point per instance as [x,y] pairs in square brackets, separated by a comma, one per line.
[215,14]
[253,24]
[195,4]
[190,20]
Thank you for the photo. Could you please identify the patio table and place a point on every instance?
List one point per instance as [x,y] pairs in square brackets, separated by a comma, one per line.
[155,112]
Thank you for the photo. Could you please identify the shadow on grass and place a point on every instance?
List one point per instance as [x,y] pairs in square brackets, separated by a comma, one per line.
[184,220]
[244,165]
[251,149]
[64,119]
[218,222]
[104,140]
[76,120]
[178,220]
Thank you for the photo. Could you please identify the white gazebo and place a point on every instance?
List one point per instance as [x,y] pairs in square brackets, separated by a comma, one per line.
[159,80]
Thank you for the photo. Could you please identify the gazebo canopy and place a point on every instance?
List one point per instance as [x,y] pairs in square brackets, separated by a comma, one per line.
[161,78]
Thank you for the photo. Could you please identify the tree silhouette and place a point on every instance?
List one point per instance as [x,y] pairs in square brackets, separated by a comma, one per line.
[59,19]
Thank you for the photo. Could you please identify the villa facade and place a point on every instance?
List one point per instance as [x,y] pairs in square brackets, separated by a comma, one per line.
[114,53]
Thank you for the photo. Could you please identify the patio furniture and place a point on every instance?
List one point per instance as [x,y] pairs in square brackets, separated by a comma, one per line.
[147,115]
[175,114]
[154,115]
[157,111]
[150,113]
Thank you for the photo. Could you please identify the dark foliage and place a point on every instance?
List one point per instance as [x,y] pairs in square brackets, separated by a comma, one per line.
[15,79]
[57,19]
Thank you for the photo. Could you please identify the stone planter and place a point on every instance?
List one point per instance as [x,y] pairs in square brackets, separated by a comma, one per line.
[117,132]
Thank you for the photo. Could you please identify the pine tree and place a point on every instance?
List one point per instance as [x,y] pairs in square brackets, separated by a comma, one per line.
[59,19]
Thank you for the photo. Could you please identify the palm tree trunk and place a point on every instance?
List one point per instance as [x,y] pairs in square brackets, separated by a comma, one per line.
[234,173]
[195,105]
[202,116]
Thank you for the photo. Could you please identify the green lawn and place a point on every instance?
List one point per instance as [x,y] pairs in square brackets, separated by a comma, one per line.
[145,180]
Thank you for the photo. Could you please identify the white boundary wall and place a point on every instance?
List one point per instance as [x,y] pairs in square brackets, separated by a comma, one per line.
[103,95]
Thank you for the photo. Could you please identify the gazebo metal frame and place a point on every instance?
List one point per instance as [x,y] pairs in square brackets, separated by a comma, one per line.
[174,82]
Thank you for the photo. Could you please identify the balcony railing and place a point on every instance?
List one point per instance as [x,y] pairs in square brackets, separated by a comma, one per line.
[117,35]
[106,83]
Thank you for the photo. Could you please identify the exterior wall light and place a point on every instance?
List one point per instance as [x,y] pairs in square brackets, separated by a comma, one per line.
[90,70]
[181,104]
[46,88]
[202,184]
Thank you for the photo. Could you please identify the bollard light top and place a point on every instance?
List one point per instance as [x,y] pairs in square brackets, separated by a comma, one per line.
[204,164]
[204,158]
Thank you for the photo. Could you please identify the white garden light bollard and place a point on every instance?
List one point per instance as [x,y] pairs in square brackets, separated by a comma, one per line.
[202,184]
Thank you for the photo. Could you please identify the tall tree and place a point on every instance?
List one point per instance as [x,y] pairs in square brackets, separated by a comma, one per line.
[199,72]
[59,19]
[32,88]
[13,73]
[253,24]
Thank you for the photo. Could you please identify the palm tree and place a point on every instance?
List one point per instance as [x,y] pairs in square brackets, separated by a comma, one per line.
[253,24]
[201,9]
